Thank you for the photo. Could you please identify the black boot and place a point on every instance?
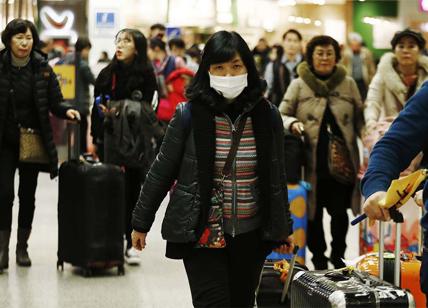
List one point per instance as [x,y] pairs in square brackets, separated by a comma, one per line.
[22,258]
[320,262]
[337,261]
[4,249]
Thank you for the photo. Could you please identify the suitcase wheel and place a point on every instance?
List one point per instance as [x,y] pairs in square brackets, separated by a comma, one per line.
[120,270]
[87,272]
[60,266]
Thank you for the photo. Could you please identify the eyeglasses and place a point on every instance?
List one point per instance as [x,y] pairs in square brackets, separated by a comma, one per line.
[328,55]
[125,41]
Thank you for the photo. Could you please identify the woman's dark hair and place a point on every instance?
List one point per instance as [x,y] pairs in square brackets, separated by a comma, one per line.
[222,47]
[82,43]
[140,42]
[16,26]
[321,40]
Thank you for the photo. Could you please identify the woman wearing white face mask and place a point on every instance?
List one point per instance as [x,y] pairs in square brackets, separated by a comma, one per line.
[225,149]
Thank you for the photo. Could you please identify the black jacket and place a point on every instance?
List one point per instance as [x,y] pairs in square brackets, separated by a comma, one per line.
[281,81]
[127,85]
[47,97]
[187,154]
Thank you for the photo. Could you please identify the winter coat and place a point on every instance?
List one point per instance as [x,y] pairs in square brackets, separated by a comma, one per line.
[47,98]
[387,93]
[369,67]
[187,154]
[306,100]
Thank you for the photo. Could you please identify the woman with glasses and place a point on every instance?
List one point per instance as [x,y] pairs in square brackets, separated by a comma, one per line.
[229,207]
[128,76]
[324,104]
[29,90]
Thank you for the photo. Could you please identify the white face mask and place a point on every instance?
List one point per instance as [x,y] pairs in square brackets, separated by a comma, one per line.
[229,86]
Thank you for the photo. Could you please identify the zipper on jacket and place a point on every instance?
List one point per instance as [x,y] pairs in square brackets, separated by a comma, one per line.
[233,178]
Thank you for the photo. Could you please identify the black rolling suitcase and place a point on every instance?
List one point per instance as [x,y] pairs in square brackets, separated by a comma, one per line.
[346,288]
[270,287]
[91,206]
[271,291]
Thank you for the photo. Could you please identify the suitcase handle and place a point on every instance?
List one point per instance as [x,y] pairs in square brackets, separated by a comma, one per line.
[393,212]
[290,273]
[398,218]
[73,140]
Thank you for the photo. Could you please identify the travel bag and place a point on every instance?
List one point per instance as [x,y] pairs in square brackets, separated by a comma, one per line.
[345,288]
[91,209]
[275,280]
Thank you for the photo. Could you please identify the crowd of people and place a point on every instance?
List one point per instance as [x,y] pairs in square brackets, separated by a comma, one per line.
[222,156]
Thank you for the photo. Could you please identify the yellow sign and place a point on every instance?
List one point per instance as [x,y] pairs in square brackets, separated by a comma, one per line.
[66,75]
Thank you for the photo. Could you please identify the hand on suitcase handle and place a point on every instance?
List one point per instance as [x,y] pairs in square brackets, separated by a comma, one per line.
[73,114]
[373,207]
[287,247]
[297,128]
[138,240]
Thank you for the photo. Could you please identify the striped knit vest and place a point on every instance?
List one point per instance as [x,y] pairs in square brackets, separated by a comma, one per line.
[243,175]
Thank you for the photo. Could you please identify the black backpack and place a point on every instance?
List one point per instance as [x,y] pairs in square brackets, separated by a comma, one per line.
[128,134]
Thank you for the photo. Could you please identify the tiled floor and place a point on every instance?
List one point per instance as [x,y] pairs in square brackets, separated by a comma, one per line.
[158,282]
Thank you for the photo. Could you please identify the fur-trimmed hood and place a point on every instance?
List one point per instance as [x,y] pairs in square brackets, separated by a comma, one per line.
[321,87]
[390,76]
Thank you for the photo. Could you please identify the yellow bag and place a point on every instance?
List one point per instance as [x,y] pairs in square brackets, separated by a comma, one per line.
[31,147]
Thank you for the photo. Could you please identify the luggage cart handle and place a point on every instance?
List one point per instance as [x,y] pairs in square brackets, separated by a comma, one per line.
[398,218]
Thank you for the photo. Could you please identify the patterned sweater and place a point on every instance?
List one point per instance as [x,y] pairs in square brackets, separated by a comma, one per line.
[240,206]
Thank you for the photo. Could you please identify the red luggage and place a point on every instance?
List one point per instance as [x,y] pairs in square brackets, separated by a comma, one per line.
[404,274]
